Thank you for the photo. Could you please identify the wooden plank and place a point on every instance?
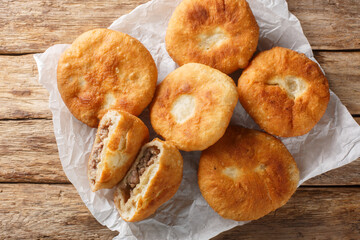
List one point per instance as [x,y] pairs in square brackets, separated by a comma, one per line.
[33,26]
[329,24]
[28,153]
[343,72]
[345,175]
[36,211]
[21,96]
[41,211]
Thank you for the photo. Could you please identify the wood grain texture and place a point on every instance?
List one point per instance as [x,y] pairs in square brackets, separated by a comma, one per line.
[37,211]
[33,26]
[343,72]
[329,24]
[21,96]
[344,176]
[29,153]
[41,211]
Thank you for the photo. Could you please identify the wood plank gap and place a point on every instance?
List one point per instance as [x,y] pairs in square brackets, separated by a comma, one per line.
[336,50]
[18,54]
[38,183]
[314,49]
[26,119]
[305,186]
[330,186]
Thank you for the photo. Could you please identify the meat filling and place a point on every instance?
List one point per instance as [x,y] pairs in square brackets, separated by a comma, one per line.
[148,158]
[98,147]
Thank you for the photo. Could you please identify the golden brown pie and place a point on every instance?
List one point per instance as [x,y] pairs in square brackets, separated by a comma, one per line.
[217,33]
[105,69]
[192,107]
[247,174]
[284,92]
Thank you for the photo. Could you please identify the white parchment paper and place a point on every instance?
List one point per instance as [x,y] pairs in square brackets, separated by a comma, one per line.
[334,142]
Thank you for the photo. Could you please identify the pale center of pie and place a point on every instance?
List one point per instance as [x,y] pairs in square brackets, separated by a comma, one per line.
[82,82]
[260,168]
[294,86]
[109,101]
[183,108]
[231,172]
[211,39]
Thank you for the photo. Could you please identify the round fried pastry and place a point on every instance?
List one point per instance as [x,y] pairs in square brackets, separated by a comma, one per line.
[284,92]
[247,174]
[192,107]
[105,69]
[220,34]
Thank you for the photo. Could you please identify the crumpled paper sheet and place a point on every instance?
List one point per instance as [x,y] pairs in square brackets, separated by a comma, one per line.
[334,142]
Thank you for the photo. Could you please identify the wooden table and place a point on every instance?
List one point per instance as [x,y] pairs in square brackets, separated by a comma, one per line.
[36,199]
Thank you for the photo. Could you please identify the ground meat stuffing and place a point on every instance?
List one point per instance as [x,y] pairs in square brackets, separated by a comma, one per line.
[148,158]
[98,147]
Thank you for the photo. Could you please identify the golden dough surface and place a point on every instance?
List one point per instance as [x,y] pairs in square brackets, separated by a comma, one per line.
[105,69]
[284,92]
[247,174]
[220,34]
[192,107]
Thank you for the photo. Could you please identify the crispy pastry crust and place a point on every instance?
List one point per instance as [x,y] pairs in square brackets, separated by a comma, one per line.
[157,185]
[105,69]
[247,174]
[119,151]
[217,33]
[213,99]
[272,106]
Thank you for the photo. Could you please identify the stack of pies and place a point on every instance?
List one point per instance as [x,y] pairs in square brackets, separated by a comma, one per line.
[107,78]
